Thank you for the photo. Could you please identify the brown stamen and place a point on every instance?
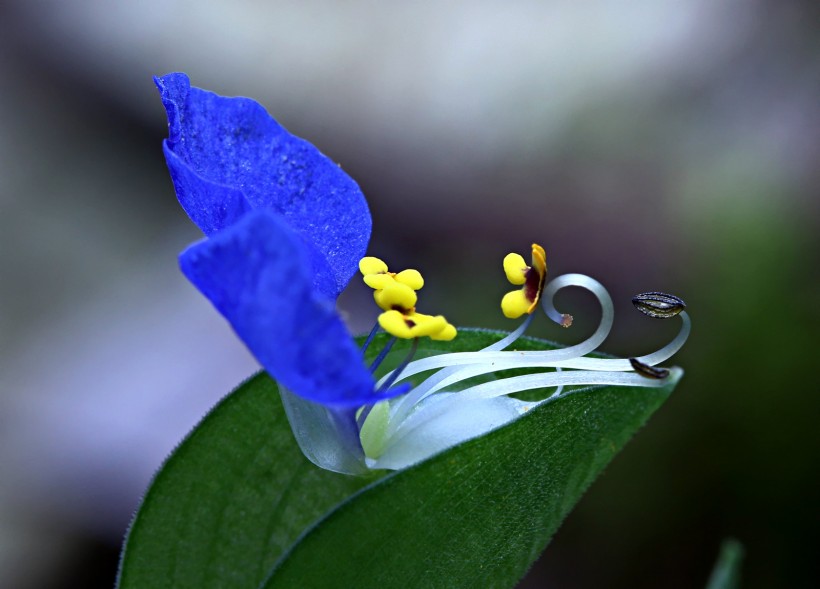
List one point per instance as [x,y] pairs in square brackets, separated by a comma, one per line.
[647,370]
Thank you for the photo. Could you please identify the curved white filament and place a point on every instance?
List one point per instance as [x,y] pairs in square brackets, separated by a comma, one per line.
[652,359]
[444,378]
[545,359]
[463,365]
[549,356]
[516,384]
[487,362]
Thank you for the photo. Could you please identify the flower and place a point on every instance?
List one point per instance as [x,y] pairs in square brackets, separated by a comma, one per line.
[286,229]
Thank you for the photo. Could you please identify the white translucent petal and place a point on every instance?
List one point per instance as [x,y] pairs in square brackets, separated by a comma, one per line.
[322,436]
[447,429]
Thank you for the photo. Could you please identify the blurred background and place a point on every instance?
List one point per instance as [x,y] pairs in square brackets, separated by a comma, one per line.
[668,146]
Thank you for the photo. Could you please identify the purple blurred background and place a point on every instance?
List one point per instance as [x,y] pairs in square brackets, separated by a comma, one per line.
[668,146]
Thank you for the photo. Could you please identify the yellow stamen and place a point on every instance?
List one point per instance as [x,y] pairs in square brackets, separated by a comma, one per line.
[515,268]
[445,335]
[378,281]
[411,278]
[376,275]
[517,302]
[413,325]
[397,297]
[395,294]
[514,304]
[371,265]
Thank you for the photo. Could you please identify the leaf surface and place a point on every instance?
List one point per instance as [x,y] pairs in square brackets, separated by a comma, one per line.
[230,499]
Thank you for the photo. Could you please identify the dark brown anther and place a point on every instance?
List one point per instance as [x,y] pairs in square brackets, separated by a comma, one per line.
[647,370]
[658,305]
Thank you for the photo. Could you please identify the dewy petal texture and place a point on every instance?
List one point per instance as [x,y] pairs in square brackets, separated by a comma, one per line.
[228,156]
[255,273]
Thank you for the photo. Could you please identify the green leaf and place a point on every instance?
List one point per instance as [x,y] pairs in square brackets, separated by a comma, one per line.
[230,499]
[237,496]
[726,574]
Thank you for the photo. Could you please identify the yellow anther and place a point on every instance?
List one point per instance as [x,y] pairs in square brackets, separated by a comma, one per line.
[413,325]
[445,335]
[377,276]
[378,281]
[411,278]
[396,297]
[515,268]
[395,294]
[371,265]
[517,302]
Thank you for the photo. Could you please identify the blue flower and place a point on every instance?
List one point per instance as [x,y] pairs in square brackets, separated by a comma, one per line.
[286,228]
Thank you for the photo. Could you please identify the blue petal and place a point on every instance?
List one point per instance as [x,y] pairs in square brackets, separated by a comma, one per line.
[211,206]
[256,274]
[228,156]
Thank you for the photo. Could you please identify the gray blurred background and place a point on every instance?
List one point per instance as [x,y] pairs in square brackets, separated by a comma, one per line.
[665,146]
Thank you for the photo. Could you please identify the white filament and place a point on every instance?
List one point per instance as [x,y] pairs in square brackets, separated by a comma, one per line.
[443,378]
[521,359]
[491,359]
[431,417]
[517,384]
[410,412]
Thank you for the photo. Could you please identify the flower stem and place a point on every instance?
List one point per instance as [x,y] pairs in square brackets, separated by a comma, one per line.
[397,372]
[370,337]
[382,355]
